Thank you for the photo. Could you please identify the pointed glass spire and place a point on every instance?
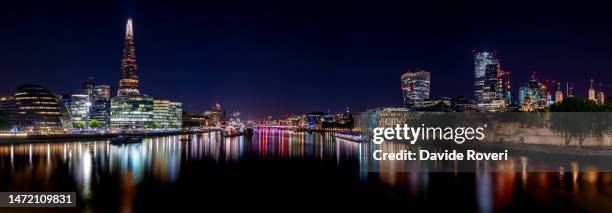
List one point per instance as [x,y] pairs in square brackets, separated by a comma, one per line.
[128,28]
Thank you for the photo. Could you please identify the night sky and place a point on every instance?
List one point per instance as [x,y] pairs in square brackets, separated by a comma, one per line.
[271,58]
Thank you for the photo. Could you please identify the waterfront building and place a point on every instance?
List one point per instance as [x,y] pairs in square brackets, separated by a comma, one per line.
[442,104]
[195,119]
[160,113]
[314,120]
[175,114]
[100,112]
[358,122]
[78,107]
[415,88]
[293,120]
[39,111]
[167,114]
[135,112]
[217,115]
[462,104]
[384,117]
[9,109]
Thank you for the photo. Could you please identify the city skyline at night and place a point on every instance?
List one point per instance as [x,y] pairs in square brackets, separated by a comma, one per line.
[203,58]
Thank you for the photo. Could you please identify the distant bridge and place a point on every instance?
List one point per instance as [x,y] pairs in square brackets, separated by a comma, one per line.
[276,127]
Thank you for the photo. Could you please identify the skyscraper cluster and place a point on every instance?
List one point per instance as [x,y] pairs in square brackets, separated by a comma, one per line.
[491,83]
[36,109]
[492,90]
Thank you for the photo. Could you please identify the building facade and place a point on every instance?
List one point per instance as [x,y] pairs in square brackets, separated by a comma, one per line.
[130,109]
[131,112]
[78,107]
[482,60]
[101,92]
[161,116]
[39,111]
[415,88]
[175,114]
[129,84]
[492,86]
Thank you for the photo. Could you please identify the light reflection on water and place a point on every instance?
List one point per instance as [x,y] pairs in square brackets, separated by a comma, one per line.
[33,167]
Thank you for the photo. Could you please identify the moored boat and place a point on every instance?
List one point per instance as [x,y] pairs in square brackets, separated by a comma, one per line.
[123,139]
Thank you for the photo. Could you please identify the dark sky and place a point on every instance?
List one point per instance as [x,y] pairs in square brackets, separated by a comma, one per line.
[276,57]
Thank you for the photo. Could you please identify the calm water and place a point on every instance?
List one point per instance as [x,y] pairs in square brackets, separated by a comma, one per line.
[276,171]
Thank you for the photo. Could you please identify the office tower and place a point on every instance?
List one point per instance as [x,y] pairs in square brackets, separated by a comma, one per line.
[506,91]
[134,112]
[130,110]
[558,94]
[490,90]
[101,92]
[88,88]
[175,114]
[482,60]
[415,88]
[160,113]
[129,85]
[78,107]
[522,95]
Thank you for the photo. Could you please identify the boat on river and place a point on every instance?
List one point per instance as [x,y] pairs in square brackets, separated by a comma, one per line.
[124,139]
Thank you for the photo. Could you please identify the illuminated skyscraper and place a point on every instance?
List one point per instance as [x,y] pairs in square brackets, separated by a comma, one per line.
[504,78]
[558,94]
[415,88]
[481,61]
[491,84]
[128,85]
[491,88]
[130,109]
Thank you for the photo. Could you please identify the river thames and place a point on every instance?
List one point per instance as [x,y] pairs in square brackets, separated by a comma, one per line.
[276,170]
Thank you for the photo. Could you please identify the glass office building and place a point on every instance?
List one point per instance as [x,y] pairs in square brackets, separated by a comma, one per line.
[415,88]
[38,110]
[131,112]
